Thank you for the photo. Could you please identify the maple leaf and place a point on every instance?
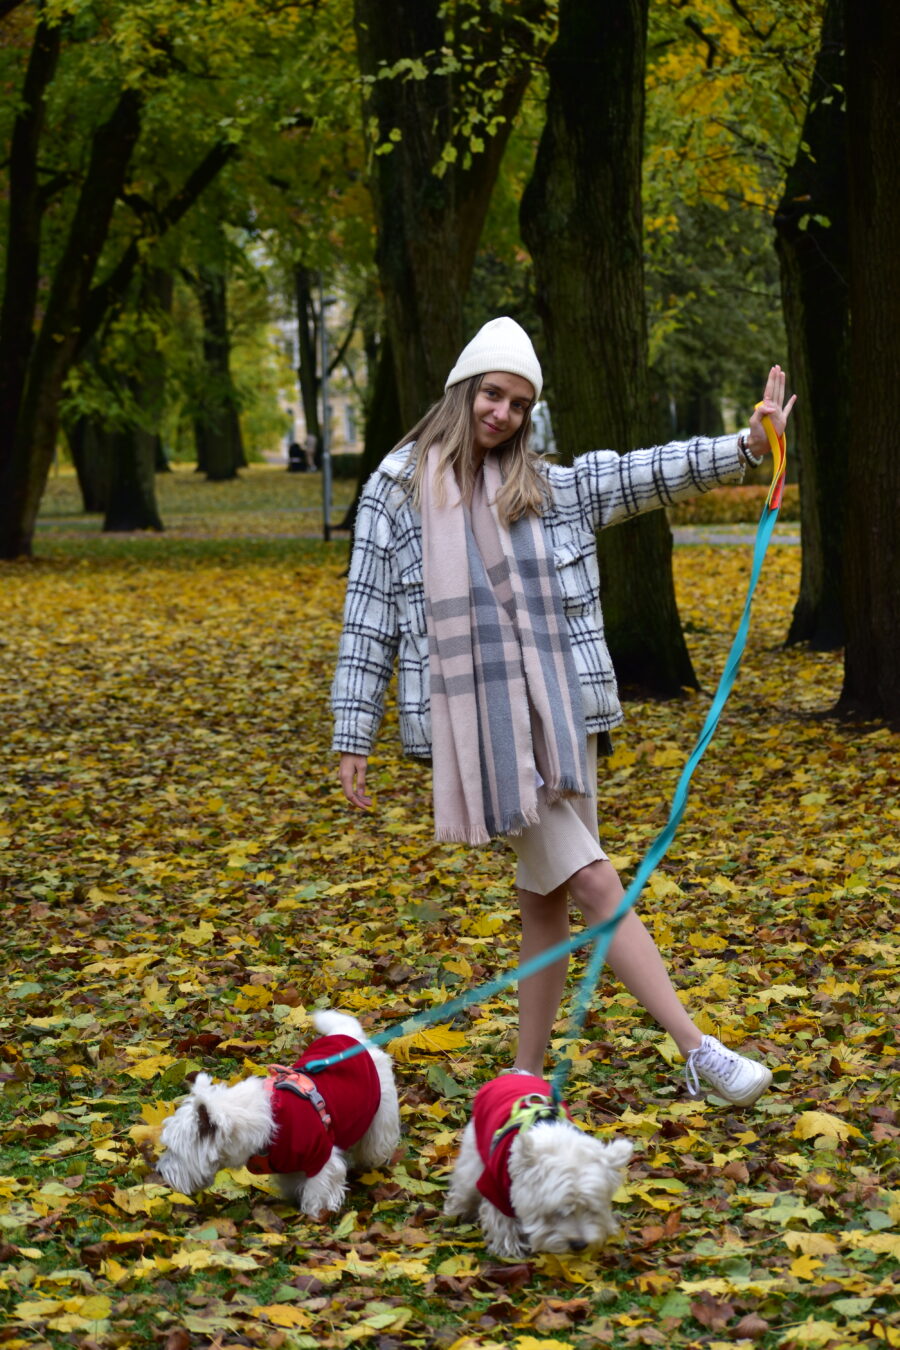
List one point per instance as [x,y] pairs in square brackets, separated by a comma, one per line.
[821,1124]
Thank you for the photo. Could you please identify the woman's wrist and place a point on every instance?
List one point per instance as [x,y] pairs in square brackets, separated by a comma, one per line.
[747,454]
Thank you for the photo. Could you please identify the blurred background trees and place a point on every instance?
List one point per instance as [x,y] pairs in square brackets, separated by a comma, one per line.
[184,186]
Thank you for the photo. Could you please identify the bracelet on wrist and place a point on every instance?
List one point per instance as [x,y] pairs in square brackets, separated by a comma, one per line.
[752,460]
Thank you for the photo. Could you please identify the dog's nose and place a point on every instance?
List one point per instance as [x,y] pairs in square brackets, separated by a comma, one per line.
[577,1246]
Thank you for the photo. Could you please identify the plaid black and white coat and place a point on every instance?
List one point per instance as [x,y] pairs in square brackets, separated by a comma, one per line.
[384,613]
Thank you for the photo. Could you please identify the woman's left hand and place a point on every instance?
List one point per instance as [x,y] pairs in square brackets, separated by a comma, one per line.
[772,406]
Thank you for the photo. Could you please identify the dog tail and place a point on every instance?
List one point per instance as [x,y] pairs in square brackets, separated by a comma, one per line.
[330,1022]
[618,1152]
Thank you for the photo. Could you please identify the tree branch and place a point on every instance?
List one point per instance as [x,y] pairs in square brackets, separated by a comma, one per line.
[712,47]
[113,288]
[748,20]
[348,336]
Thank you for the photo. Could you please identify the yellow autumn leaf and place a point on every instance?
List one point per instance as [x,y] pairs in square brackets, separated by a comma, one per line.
[810,1244]
[199,936]
[648,1191]
[821,1124]
[655,1282]
[464,1264]
[885,1244]
[661,887]
[723,886]
[148,1068]
[458,965]
[486,926]
[707,942]
[154,1113]
[531,1343]
[779,993]
[470,1343]
[437,1040]
[252,996]
[816,1332]
[282,1315]
[113,1270]
[146,1199]
[572,1269]
[31,1310]
[805,1267]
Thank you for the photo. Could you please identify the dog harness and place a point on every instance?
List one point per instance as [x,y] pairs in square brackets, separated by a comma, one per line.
[312,1116]
[502,1108]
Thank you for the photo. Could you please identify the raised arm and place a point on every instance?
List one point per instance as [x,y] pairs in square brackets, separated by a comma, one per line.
[605,487]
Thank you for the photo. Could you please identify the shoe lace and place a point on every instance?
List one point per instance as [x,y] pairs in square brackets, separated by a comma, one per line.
[707,1056]
[691,1077]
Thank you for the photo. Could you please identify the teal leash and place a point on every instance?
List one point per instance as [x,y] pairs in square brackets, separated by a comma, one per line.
[602,934]
[663,840]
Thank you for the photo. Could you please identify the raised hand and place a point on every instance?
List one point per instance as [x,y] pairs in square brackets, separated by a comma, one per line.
[773,406]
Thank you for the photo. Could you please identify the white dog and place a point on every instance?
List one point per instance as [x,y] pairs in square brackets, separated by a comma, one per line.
[303,1128]
[536,1182]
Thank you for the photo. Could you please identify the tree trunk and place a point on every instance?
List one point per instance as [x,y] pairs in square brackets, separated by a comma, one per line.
[872,534]
[23,231]
[37,350]
[132,495]
[91,448]
[131,504]
[813,250]
[581,219]
[25,463]
[222,449]
[429,222]
[307,351]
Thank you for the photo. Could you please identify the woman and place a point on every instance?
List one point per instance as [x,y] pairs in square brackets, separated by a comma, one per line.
[474,565]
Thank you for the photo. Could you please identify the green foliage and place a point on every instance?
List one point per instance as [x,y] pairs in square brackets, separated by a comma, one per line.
[726,90]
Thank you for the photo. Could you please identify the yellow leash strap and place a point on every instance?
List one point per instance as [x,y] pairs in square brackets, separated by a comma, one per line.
[779,464]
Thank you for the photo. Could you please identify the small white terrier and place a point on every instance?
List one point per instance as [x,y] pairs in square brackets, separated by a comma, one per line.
[535,1181]
[304,1129]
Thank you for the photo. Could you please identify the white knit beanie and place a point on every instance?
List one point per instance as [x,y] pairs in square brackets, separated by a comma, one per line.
[501,345]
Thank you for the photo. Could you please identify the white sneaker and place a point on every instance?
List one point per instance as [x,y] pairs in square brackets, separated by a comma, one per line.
[735,1077]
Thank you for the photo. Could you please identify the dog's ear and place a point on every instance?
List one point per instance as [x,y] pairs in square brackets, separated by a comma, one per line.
[206,1128]
[525,1147]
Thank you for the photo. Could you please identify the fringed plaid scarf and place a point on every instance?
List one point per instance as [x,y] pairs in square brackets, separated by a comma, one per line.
[505,698]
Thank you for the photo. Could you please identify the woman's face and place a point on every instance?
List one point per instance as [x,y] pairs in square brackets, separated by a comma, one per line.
[501,406]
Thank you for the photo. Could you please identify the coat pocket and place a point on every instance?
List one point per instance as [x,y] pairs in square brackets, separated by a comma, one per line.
[575,559]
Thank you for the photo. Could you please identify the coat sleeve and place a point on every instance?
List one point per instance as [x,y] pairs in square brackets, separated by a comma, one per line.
[370,634]
[611,487]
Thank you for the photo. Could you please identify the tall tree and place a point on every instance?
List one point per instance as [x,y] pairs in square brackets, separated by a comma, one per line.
[812,226]
[872,535]
[440,119]
[220,448]
[582,221]
[165,93]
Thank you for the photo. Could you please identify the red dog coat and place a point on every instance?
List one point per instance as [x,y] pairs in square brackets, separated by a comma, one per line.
[304,1134]
[491,1111]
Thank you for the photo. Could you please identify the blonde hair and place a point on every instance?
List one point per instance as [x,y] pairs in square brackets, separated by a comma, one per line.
[448,425]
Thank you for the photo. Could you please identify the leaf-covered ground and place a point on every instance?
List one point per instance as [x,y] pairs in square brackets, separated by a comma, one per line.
[181,884]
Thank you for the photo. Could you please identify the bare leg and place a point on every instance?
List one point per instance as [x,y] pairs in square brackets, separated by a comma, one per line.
[545,922]
[633,955]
